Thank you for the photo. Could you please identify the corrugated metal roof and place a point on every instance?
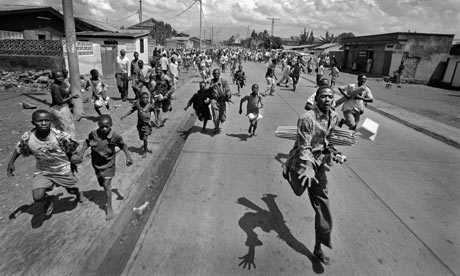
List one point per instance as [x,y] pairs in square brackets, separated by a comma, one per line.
[120,34]
[325,46]
[100,25]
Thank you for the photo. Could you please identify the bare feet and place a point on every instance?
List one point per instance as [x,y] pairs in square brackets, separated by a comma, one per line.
[109,215]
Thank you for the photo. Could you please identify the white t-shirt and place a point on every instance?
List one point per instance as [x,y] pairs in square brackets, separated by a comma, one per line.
[122,65]
[355,104]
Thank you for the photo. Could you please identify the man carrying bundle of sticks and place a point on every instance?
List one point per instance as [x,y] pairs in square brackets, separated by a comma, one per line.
[309,160]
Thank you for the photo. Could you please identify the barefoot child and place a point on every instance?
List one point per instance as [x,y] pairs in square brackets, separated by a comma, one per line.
[52,149]
[252,108]
[240,79]
[144,110]
[200,101]
[99,89]
[103,142]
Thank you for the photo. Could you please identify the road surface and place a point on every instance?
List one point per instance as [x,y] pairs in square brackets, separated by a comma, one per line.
[394,203]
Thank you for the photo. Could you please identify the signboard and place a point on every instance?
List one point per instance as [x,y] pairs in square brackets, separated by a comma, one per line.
[362,53]
[84,48]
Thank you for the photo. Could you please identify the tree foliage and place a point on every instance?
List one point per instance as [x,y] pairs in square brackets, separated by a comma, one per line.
[303,37]
[162,31]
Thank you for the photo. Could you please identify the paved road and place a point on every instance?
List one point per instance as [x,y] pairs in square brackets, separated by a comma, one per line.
[394,203]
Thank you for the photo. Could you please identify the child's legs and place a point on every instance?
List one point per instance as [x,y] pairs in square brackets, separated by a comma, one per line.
[98,110]
[107,184]
[39,194]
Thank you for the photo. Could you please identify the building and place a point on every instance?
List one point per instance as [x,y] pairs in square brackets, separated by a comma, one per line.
[32,37]
[325,49]
[110,44]
[418,53]
[41,23]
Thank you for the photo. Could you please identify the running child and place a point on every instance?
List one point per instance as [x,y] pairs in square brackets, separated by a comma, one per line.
[103,142]
[144,110]
[53,150]
[99,89]
[240,78]
[334,75]
[252,108]
[200,101]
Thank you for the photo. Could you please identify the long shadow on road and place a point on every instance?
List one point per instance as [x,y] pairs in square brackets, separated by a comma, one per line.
[268,220]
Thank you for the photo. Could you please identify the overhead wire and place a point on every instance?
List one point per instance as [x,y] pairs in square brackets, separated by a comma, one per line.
[179,14]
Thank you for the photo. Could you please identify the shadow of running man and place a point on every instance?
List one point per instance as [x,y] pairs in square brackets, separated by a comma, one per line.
[269,220]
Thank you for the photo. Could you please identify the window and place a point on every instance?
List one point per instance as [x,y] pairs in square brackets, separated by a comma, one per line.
[141,42]
[41,36]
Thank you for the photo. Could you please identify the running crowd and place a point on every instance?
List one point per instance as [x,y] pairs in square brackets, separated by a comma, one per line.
[53,144]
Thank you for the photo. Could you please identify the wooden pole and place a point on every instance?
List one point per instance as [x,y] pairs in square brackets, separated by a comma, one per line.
[72,57]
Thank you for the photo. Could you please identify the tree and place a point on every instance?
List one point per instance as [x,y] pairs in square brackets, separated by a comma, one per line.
[303,37]
[344,35]
[327,38]
[311,38]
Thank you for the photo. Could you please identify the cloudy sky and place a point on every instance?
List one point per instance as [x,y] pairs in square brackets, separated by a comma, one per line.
[232,17]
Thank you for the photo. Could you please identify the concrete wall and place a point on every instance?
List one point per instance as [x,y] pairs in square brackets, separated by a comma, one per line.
[429,50]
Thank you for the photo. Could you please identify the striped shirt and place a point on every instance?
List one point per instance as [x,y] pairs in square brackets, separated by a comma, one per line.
[313,129]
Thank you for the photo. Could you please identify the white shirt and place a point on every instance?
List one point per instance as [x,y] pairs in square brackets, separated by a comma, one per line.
[122,65]
[355,104]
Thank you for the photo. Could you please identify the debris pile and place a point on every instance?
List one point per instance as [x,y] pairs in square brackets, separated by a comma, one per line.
[35,80]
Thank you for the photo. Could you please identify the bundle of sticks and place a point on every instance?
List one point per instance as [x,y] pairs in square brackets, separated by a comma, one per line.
[339,137]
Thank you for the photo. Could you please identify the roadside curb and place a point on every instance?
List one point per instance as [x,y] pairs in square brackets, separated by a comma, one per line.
[112,252]
[418,128]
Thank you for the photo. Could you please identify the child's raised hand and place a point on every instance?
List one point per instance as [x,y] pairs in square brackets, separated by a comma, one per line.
[10,170]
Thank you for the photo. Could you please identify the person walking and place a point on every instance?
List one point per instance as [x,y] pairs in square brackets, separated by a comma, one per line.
[122,74]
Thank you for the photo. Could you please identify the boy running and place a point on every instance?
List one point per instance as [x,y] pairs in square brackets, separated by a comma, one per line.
[200,101]
[99,90]
[52,150]
[240,78]
[252,108]
[103,142]
[144,127]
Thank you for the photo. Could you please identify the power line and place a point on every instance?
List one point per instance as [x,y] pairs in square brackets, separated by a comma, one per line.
[180,12]
[124,17]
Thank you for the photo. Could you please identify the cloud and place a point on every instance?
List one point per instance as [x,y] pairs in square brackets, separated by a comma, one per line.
[361,17]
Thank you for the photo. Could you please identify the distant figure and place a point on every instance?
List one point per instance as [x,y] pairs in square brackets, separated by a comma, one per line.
[368,65]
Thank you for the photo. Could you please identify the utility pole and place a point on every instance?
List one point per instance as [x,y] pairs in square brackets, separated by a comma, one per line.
[201,12]
[140,13]
[273,23]
[212,34]
[247,34]
[72,57]
[273,27]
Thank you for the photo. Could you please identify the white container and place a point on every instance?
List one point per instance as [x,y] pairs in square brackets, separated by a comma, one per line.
[368,129]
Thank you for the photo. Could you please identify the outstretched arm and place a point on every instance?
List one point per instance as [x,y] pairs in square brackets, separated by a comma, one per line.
[10,170]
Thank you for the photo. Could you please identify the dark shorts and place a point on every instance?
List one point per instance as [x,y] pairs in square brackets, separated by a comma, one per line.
[107,173]
[144,131]
[164,105]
